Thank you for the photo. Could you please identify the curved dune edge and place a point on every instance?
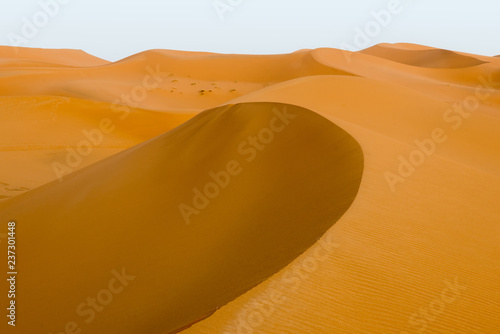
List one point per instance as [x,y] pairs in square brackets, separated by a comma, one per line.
[383,105]
[124,216]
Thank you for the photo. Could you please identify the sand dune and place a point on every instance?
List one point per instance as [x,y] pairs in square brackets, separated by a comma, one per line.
[61,57]
[371,208]
[429,58]
[147,219]
[168,80]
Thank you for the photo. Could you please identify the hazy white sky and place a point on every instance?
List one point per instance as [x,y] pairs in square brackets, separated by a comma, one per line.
[114,29]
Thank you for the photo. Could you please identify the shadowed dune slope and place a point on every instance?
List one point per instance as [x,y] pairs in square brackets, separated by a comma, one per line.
[430,58]
[260,207]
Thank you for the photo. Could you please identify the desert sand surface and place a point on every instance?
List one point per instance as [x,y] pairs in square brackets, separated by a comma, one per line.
[322,191]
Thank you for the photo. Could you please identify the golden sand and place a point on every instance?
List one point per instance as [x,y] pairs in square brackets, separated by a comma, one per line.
[321,191]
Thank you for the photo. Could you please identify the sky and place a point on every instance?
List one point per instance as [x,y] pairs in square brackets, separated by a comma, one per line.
[115,29]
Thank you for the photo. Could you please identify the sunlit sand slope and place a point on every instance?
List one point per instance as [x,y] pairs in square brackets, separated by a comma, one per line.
[176,227]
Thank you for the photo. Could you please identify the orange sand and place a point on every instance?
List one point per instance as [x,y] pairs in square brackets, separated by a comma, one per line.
[408,134]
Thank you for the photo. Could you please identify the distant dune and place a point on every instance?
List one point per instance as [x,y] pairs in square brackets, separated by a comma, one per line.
[33,57]
[321,191]
[431,58]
